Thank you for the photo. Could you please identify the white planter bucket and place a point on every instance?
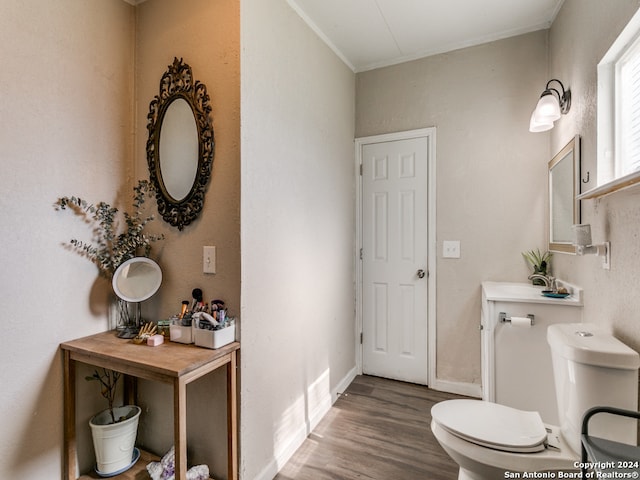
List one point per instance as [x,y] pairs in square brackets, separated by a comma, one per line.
[114,442]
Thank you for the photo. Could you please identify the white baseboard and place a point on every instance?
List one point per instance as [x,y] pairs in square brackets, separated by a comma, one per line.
[297,438]
[274,466]
[344,383]
[459,388]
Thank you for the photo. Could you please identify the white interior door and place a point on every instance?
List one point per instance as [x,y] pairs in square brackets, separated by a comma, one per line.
[394,259]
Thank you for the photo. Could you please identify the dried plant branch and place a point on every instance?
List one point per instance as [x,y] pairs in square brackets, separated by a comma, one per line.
[109,249]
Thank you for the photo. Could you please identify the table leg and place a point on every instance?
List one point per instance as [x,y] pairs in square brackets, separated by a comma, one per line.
[130,391]
[180,427]
[232,418]
[69,443]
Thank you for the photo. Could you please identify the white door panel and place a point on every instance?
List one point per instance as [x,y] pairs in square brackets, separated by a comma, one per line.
[394,237]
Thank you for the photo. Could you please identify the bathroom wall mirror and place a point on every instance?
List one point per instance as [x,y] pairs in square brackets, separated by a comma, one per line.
[180,145]
[564,207]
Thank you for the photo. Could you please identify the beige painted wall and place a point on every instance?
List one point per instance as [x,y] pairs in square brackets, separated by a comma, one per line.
[66,90]
[206,34]
[490,171]
[298,188]
[580,36]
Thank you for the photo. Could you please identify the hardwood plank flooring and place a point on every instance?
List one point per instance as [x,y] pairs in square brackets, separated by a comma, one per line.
[378,429]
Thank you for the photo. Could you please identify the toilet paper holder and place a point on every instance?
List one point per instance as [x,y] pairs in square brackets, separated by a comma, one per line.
[502,316]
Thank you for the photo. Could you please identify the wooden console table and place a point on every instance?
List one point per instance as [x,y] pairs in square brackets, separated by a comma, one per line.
[172,363]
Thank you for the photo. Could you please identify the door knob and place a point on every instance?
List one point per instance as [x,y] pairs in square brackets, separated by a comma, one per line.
[421,273]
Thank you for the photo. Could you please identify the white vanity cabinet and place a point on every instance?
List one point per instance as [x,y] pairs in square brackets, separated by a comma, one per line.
[516,359]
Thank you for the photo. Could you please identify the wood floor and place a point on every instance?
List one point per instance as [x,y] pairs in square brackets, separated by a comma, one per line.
[378,430]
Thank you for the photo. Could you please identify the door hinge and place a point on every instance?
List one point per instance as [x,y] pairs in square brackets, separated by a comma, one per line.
[360,338]
[360,169]
[360,254]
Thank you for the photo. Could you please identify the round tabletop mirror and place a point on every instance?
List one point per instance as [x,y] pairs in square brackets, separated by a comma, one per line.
[137,279]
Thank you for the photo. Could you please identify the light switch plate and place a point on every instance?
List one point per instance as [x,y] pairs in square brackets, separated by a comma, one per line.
[451,249]
[209,259]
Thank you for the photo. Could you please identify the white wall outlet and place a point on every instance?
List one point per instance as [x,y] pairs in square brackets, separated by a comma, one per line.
[451,249]
[209,259]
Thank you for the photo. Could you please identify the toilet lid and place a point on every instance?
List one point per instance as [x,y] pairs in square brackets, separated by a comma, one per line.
[492,425]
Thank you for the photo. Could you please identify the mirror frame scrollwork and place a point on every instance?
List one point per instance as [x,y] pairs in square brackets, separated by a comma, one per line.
[177,82]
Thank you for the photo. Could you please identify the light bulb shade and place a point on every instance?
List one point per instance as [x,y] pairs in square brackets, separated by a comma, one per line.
[536,126]
[548,108]
[551,106]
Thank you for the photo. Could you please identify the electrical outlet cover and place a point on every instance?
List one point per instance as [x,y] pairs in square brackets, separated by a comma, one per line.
[451,249]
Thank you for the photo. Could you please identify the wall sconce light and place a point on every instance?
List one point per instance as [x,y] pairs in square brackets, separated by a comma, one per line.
[582,242]
[550,107]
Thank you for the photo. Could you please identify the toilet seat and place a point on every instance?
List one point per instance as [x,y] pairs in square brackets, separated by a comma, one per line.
[492,425]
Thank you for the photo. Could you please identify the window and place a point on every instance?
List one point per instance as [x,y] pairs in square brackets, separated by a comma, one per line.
[628,106]
[619,113]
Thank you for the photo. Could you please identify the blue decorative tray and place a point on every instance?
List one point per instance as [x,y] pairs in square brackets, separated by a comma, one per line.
[555,295]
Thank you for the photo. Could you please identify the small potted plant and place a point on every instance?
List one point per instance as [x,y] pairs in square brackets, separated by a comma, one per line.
[113,430]
[540,263]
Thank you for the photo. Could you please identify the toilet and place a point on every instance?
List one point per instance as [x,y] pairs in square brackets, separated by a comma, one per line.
[491,441]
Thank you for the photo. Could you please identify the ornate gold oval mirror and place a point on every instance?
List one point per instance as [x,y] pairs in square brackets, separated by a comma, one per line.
[180,145]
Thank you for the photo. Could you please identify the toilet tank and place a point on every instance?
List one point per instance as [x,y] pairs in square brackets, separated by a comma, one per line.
[516,360]
[593,368]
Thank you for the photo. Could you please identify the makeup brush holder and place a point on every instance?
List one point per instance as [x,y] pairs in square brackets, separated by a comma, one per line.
[181,329]
[181,334]
[214,338]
